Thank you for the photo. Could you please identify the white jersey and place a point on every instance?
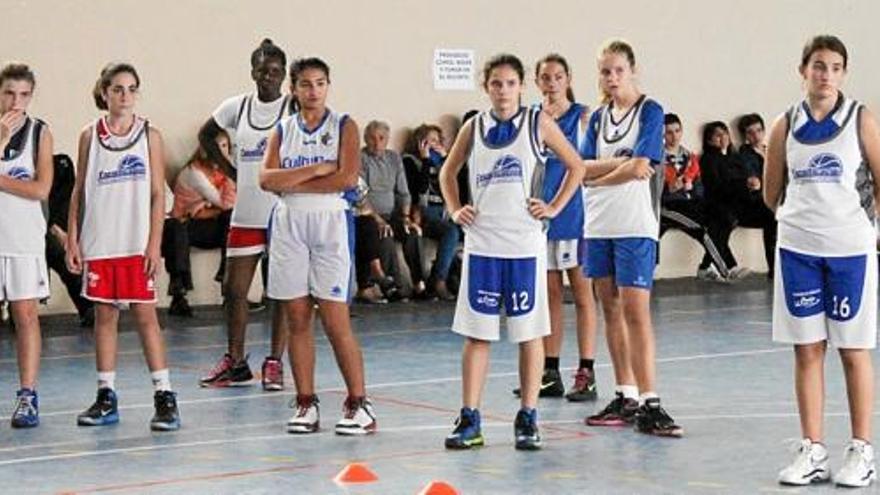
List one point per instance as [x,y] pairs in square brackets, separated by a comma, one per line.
[22,224]
[249,123]
[828,205]
[301,147]
[502,179]
[622,210]
[116,208]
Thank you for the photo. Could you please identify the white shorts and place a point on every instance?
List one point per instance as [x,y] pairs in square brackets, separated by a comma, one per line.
[563,254]
[23,278]
[831,298]
[310,254]
[519,285]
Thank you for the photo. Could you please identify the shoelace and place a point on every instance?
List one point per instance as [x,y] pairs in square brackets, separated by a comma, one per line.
[222,365]
[25,406]
[580,380]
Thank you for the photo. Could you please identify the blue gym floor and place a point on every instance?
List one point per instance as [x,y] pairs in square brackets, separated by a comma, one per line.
[719,375]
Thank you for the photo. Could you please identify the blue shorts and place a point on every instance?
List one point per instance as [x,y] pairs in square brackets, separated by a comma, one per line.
[630,260]
[488,284]
[830,298]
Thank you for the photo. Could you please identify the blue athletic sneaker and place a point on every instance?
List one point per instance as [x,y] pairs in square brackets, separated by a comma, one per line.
[525,430]
[467,432]
[103,412]
[27,409]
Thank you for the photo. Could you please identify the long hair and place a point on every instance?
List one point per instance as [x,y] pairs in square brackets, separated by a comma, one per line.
[617,47]
[559,59]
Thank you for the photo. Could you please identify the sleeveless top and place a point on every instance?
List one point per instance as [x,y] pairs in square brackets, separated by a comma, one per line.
[569,223]
[828,203]
[302,147]
[22,224]
[116,208]
[503,176]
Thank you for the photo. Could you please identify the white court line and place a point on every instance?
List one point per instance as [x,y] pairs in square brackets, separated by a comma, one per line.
[714,310]
[428,381]
[221,441]
[171,349]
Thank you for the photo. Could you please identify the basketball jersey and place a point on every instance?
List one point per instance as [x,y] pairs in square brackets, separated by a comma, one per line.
[302,147]
[503,176]
[22,224]
[622,210]
[828,205]
[252,204]
[569,223]
[116,208]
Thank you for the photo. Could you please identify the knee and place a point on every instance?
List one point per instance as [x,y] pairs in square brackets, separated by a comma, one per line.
[810,354]
[852,358]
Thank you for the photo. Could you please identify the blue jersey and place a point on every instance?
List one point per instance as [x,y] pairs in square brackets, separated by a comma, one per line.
[569,223]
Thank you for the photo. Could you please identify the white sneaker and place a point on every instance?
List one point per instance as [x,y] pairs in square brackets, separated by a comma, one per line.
[358,418]
[738,273]
[307,417]
[858,465]
[710,274]
[810,465]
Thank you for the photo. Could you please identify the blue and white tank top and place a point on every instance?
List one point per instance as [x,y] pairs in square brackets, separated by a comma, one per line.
[302,147]
[569,223]
[22,224]
[828,205]
[504,172]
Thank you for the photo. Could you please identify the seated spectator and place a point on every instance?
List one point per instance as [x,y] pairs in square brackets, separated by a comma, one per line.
[682,200]
[388,193]
[203,200]
[56,237]
[730,194]
[753,151]
[422,160]
[373,285]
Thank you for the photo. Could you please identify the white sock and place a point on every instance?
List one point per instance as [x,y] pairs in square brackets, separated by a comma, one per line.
[629,391]
[107,379]
[647,395]
[161,380]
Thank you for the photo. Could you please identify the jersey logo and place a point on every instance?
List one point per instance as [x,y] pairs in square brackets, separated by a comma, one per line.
[824,167]
[19,173]
[808,299]
[130,168]
[508,168]
[627,152]
[256,153]
[327,138]
[301,161]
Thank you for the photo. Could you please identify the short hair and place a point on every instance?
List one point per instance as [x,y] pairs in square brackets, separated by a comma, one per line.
[747,121]
[376,125]
[671,118]
[17,71]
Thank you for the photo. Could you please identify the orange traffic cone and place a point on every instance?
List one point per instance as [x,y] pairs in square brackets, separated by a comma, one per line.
[439,488]
[356,473]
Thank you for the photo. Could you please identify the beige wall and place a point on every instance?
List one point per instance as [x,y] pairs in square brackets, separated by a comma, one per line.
[704,60]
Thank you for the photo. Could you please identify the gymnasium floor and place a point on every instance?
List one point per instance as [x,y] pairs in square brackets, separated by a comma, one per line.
[719,374]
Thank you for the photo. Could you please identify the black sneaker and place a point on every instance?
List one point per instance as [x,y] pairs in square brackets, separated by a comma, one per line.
[180,307]
[551,385]
[619,412]
[654,420]
[584,387]
[228,373]
[525,430]
[167,417]
[103,412]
